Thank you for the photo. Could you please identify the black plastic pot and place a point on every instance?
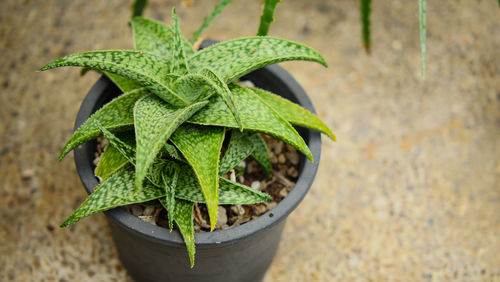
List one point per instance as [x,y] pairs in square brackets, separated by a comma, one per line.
[243,253]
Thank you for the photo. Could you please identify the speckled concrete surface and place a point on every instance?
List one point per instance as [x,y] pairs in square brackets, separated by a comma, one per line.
[409,192]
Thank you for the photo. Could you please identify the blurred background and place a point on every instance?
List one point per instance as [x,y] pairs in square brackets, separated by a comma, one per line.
[411,190]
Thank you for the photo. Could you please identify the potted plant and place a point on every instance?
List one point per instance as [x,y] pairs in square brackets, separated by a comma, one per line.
[166,110]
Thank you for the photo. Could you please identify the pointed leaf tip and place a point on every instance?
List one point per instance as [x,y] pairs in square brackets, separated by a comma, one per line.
[117,114]
[234,58]
[201,147]
[294,113]
[146,68]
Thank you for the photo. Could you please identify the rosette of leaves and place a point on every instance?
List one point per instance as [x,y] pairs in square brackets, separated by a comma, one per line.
[166,130]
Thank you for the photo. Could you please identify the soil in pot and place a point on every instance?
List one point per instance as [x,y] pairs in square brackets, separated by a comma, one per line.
[285,162]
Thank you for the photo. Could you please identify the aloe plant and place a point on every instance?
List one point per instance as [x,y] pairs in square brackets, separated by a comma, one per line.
[166,130]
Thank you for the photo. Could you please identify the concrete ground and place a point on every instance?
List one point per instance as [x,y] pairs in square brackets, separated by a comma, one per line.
[409,192]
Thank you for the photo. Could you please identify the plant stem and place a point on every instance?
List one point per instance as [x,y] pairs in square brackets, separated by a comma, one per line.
[267,16]
[423,48]
[365,24]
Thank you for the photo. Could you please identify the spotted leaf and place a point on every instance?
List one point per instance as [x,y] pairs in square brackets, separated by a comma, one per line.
[156,37]
[230,193]
[110,162]
[170,183]
[115,115]
[238,150]
[201,146]
[225,94]
[196,87]
[234,58]
[111,159]
[261,153]
[155,121]
[183,217]
[255,115]
[179,65]
[125,84]
[117,190]
[293,113]
[173,152]
[150,70]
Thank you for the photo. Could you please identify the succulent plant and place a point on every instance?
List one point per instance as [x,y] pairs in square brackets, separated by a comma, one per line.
[166,130]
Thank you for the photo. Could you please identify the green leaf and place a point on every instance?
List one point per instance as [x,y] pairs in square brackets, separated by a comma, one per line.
[183,217]
[111,159]
[238,150]
[138,7]
[423,35]
[173,152]
[219,7]
[110,162]
[152,36]
[255,115]
[179,65]
[293,113]
[267,16]
[225,93]
[201,146]
[125,149]
[230,193]
[155,121]
[261,153]
[195,87]
[117,190]
[234,58]
[148,69]
[115,115]
[156,37]
[125,84]
[170,184]
[187,187]
[365,8]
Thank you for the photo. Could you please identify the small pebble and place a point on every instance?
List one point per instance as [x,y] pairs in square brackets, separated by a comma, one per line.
[283,193]
[281,159]
[273,158]
[238,209]
[270,205]
[136,210]
[292,172]
[247,83]
[232,175]
[259,209]
[255,185]
[241,178]
[293,157]
[149,210]
[96,160]
[221,218]
[148,218]
[252,166]
[278,147]
[242,164]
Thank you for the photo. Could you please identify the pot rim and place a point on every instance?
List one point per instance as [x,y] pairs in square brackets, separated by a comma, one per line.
[162,235]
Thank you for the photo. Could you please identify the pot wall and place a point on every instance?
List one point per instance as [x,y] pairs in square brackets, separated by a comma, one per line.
[243,260]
